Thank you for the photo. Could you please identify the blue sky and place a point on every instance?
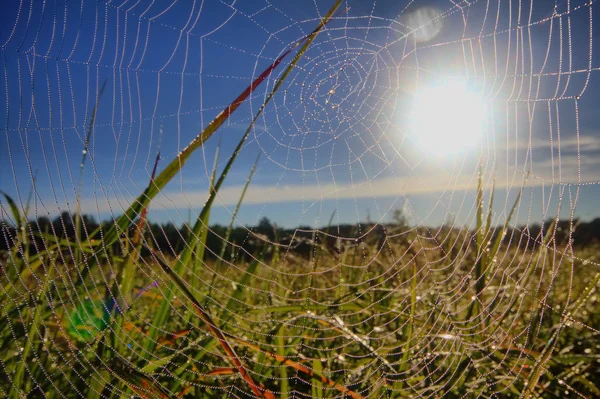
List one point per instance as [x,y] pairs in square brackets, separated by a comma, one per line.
[336,137]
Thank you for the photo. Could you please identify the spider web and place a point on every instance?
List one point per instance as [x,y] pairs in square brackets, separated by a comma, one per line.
[353,266]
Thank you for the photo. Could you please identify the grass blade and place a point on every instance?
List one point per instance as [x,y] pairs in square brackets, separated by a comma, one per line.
[16,388]
[524,280]
[84,154]
[235,212]
[317,384]
[486,254]
[410,324]
[14,209]
[200,233]
[479,239]
[213,328]
[127,278]
[238,294]
[139,382]
[283,375]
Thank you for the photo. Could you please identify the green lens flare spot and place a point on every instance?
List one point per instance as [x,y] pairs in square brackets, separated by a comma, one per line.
[88,319]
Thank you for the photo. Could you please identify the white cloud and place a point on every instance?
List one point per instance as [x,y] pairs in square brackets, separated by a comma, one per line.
[432,182]
[586,144]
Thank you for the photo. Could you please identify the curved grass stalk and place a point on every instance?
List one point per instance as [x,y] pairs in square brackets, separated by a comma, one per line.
[284,387]
[196,245]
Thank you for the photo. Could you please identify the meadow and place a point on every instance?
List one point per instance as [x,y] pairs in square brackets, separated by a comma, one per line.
[117,309]
[400,317]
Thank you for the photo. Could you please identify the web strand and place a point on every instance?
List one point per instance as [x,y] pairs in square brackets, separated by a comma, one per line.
[420,220]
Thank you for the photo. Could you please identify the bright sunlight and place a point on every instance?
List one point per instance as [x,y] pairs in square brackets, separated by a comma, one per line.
[447,119]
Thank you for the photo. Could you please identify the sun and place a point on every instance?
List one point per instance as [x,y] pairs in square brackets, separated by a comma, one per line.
[447,119]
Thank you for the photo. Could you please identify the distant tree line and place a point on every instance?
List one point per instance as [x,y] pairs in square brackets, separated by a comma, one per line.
[252,239]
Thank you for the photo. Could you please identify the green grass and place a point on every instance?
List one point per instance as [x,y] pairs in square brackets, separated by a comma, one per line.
[457,313]
[414,313]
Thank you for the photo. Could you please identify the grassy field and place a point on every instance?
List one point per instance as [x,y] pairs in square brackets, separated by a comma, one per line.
[484,312]
[403,318]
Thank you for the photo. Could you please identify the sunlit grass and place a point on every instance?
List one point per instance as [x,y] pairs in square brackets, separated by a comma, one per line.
[487,311]
[410,314]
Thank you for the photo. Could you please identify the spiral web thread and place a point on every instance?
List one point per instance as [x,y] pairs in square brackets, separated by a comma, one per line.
[388,307]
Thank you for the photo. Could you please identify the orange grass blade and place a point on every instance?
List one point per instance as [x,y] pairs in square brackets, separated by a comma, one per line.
[139,382]
[212,326]
[301,368]
[223,371]
[170,340]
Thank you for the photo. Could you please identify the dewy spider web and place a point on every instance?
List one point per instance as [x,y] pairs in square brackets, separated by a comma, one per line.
[360,263]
